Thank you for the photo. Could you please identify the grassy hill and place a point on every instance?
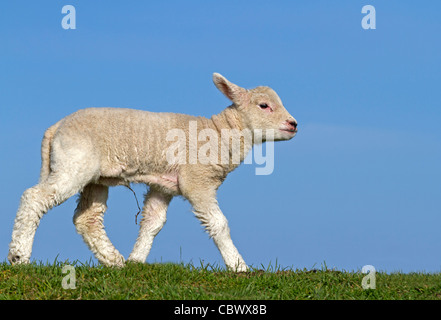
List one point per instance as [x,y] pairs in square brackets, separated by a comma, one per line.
[179,281]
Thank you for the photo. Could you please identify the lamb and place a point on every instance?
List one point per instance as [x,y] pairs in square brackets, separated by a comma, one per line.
[95,148]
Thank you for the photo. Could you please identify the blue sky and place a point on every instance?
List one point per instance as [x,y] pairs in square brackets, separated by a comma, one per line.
[359,184]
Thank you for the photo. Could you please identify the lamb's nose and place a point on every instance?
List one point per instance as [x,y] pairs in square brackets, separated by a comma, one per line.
[292,123]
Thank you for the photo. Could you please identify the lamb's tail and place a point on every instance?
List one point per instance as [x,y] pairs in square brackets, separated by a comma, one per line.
[46,147]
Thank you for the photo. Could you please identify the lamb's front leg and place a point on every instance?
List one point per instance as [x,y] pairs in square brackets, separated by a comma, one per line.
[212,218]
[153,219]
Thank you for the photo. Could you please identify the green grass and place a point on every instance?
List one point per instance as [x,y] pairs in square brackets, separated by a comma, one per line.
[179,281]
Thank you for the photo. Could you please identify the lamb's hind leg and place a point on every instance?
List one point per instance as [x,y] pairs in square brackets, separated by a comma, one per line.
[88,220]
[34,203]
[153,219]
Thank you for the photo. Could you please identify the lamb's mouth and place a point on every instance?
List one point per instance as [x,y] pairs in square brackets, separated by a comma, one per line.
[289,130]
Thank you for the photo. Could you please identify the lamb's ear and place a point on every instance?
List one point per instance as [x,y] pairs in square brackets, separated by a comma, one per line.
[233,92]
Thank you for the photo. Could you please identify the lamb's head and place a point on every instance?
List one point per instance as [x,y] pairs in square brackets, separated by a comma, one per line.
[259,108]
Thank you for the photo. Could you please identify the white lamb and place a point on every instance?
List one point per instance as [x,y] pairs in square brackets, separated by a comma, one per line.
[95,148]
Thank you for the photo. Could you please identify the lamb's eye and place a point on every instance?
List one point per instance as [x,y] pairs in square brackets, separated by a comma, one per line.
[263,105]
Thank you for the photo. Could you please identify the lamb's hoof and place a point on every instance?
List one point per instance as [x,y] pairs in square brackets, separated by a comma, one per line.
[16,259]
[116,261]
[241,267]
[120,264]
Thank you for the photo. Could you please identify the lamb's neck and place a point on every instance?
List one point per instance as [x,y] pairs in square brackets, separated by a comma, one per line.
[228,119]
[230,126]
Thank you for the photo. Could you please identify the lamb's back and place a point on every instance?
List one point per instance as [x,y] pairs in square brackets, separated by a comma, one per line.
[124,139]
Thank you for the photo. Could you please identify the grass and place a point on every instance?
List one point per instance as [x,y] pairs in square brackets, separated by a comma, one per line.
[168,281]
